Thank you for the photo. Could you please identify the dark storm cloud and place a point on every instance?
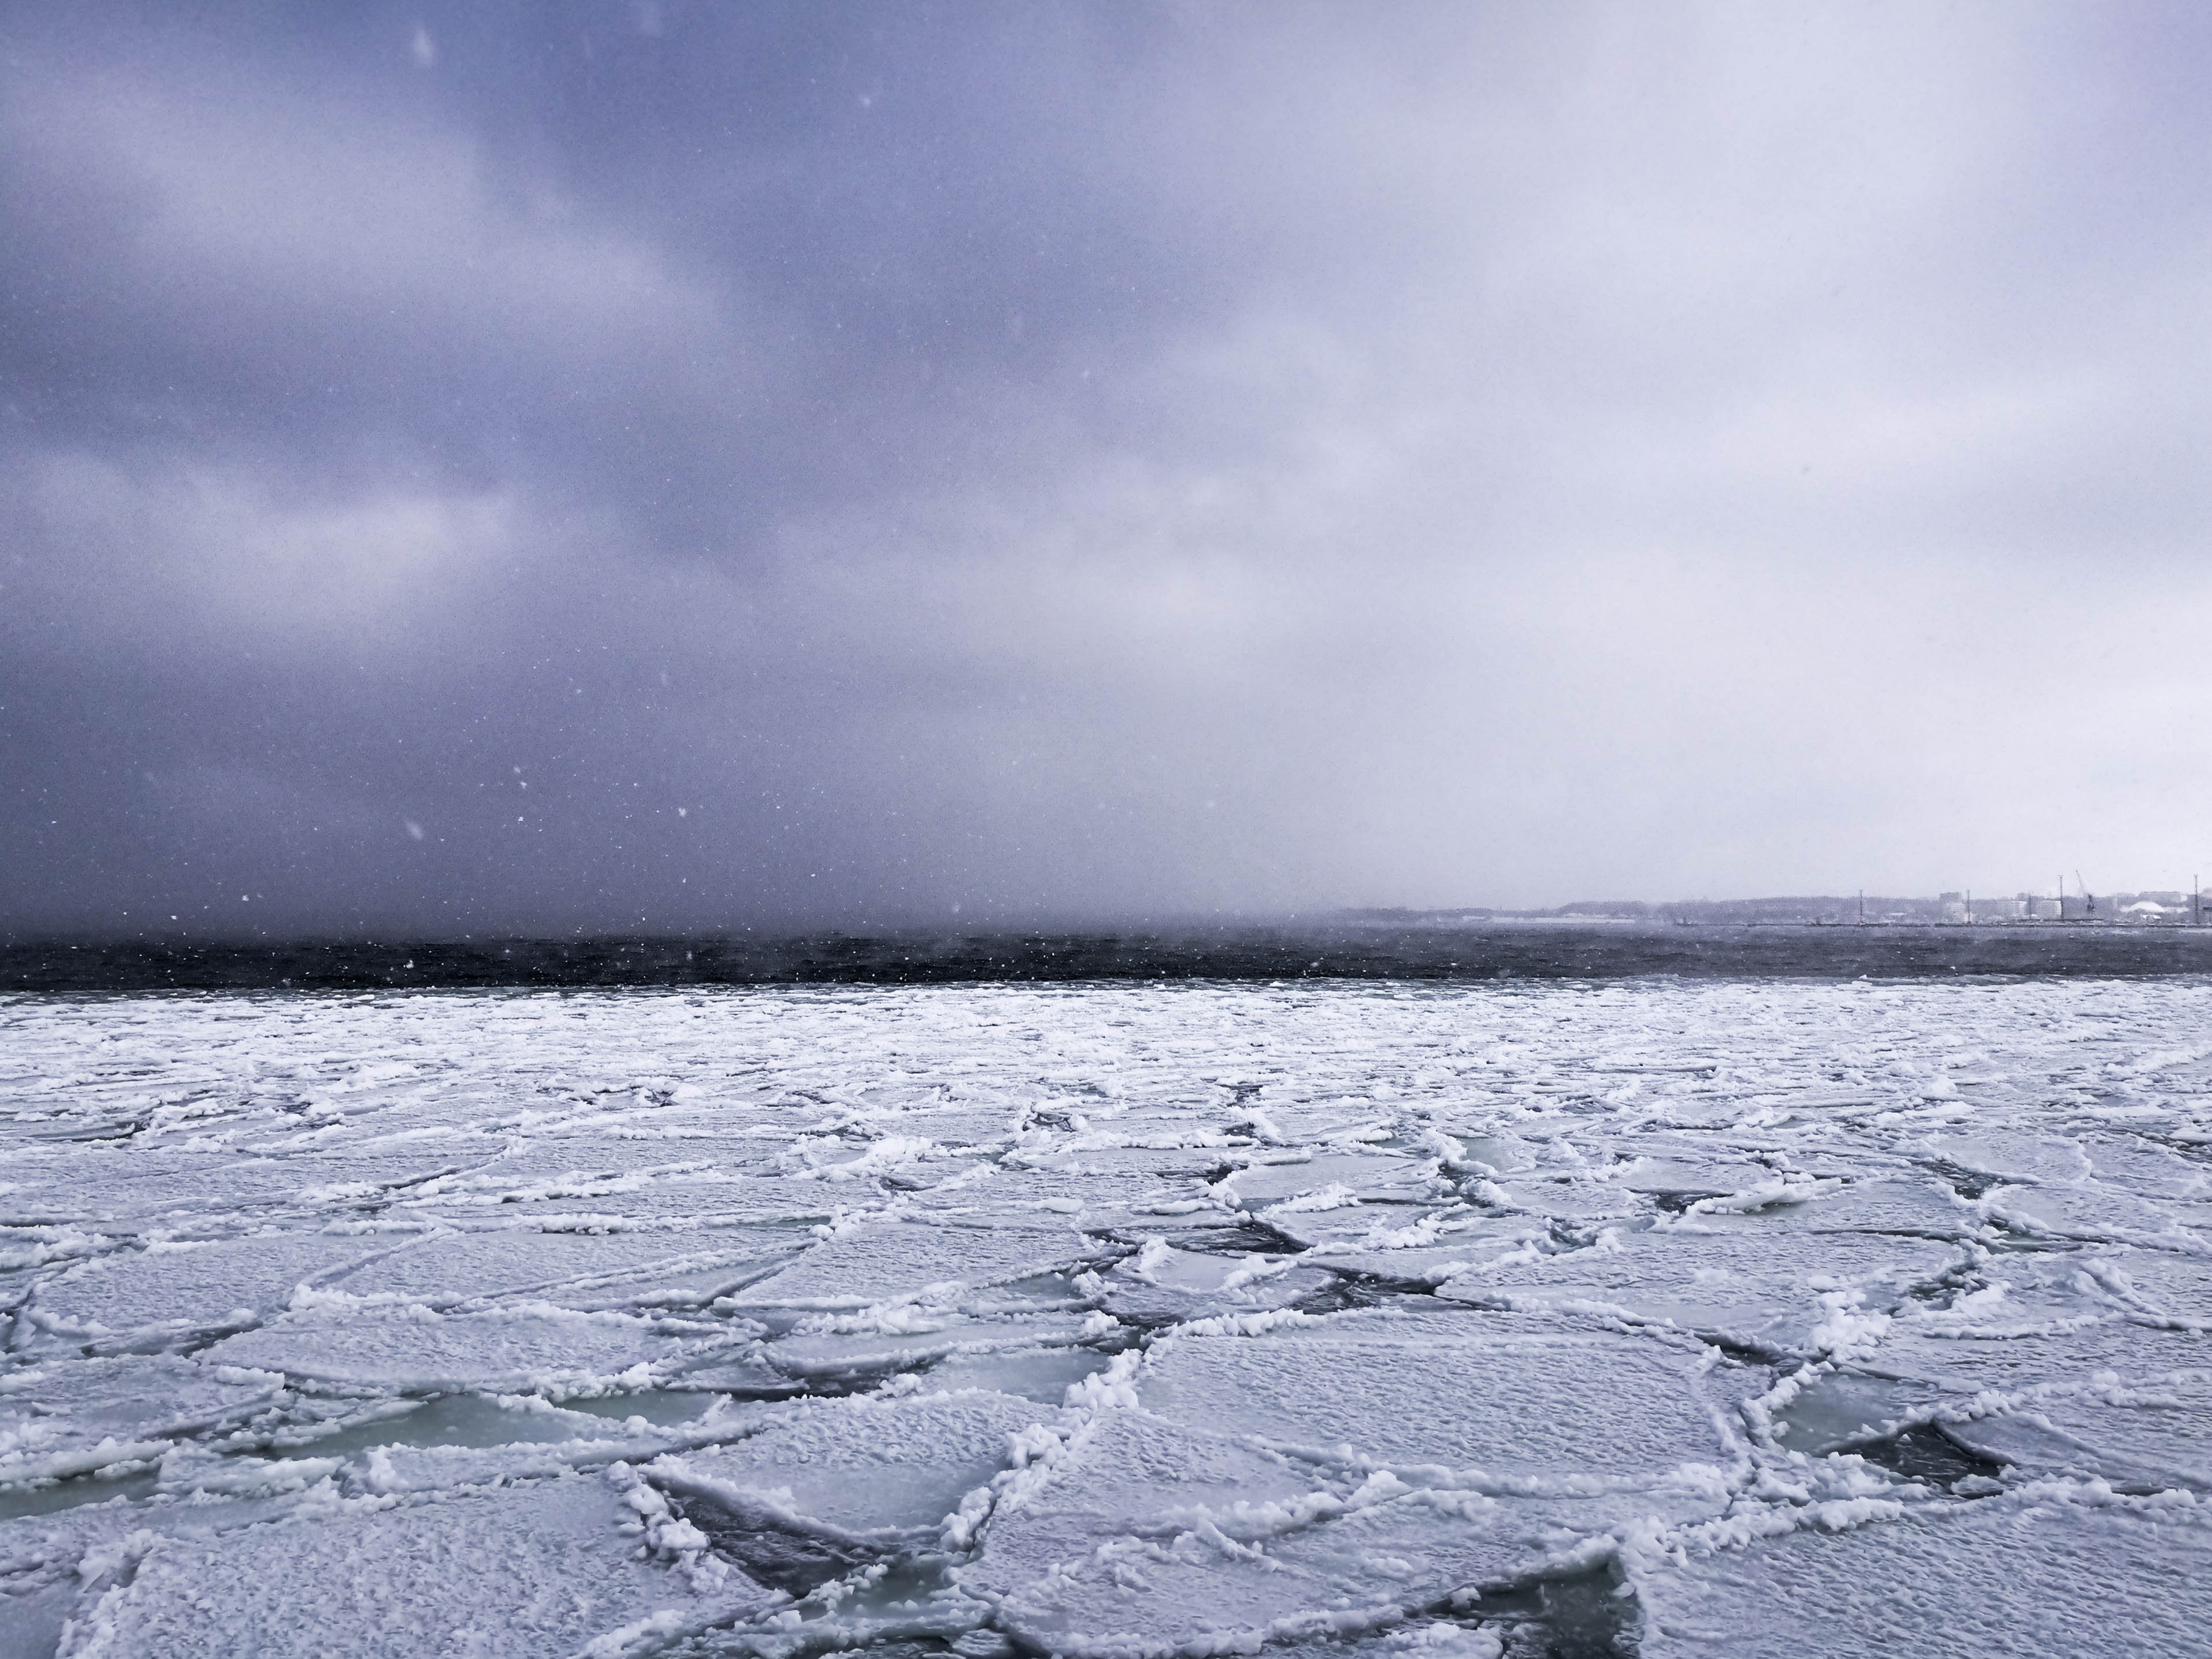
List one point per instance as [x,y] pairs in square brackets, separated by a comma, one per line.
[587,465]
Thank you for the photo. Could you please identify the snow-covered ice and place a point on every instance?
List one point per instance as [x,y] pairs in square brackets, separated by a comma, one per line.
[1473,1321]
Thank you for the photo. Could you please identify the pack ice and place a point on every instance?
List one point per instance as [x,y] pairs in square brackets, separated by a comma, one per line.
[1716,1318]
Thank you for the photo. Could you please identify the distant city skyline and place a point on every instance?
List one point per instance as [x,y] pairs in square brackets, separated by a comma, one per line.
[1957,904]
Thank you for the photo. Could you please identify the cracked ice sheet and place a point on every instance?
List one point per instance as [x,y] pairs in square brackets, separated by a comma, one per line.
[957,1188]
[65,1416]
[171,1290]
[577,1269]
[550,1351]
[2154,1434]
[878,1475]
[831,1346]
[1506,1402]
[142,1188]
[1779,1290]
[901,1260]
[548,1567]
[2058,1569]
[1145,1537]
[1161,1285]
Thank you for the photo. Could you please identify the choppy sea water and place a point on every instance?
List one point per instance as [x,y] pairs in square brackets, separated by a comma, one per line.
[1724,1316]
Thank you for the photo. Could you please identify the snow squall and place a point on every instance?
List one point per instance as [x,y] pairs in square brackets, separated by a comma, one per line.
[1742,1318]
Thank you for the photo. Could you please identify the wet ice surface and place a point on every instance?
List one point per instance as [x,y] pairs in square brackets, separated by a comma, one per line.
[1723,1317]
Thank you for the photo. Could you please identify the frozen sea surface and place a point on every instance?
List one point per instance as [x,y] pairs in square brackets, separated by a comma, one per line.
[1724,1317]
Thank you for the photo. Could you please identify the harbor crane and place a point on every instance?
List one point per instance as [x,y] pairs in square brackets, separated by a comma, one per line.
[2088,898]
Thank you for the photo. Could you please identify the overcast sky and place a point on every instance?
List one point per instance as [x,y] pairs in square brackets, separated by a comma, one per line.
[603,465]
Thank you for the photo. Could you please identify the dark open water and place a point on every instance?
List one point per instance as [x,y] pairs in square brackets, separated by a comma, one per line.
[1496,951]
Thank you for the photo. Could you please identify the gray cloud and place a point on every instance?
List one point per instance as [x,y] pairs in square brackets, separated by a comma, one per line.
[797,465]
